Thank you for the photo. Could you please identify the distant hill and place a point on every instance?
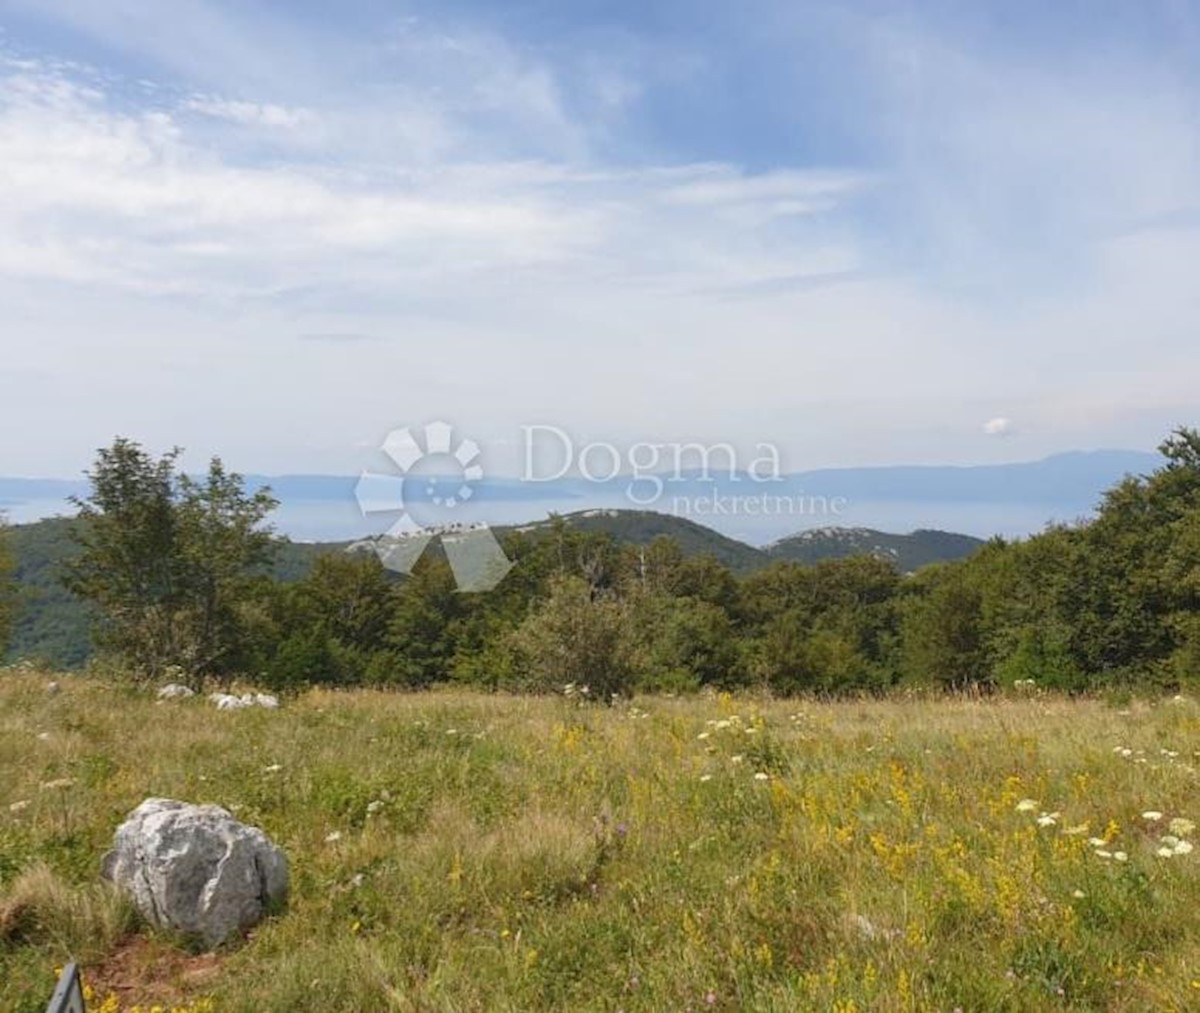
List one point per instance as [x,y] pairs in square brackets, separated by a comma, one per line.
[909,552]
[53,625]
[640,527]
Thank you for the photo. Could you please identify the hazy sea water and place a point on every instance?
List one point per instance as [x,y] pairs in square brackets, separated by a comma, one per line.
[339,519]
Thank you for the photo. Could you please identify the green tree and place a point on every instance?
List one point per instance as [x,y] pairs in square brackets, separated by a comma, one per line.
[8,588]
[676,643]
[167,561]
[575,637]
[425,627]
[943,634]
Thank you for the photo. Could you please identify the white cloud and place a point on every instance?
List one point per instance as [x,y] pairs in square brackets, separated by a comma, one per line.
[999,426]
[96,193]
[251,114]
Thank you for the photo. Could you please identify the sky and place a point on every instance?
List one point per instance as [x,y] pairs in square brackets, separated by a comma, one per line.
[866,233]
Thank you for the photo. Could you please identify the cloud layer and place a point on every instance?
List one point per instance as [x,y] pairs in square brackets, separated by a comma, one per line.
[332,229]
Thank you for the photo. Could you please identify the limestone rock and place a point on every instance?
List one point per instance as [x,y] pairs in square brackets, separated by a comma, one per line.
[195,869]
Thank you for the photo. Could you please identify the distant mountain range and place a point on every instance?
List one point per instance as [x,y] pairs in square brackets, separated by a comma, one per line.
[53,625]
[1068,477]
[1009,499]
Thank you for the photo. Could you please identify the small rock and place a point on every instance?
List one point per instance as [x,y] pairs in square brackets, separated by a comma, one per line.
[227,701]
[195,869]
[53,688]
[266,700]
[175,691]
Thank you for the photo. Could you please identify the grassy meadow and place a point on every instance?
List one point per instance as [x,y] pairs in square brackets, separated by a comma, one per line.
[460,851]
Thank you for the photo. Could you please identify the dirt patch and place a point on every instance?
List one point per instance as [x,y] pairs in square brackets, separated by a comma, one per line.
[153,972]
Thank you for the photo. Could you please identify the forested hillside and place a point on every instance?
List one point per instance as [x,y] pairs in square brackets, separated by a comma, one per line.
[182,574]
[52,625]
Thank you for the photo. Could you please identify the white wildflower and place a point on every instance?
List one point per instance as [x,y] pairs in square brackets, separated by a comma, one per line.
[1027,805]
[1153,815]
[18,806]
[762,776]
[1181,827]
[334,837]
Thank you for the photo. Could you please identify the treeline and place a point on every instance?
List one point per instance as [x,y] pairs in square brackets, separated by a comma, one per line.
[175,571]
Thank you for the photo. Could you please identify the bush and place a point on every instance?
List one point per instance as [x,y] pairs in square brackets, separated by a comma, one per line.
[576,636]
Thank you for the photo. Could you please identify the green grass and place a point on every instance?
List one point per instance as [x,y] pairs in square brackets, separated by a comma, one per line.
[459,851]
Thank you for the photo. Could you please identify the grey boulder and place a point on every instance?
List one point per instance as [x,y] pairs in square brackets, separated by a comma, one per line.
[194,869]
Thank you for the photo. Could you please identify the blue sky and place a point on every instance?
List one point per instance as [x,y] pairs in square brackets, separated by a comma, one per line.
[862,232]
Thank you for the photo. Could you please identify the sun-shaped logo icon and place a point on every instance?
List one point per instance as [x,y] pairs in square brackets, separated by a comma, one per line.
[435,462]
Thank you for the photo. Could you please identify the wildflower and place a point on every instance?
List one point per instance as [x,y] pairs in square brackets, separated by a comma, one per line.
[1153,815]
[1027,805]
[374,807]
[1120,856]
[1097,842]
[1101,853]
[451,731]
[702,735]
[62,782]
[1075,831]
[1181,827]
[762,776]
[1048,819]
[1165,852]
[706,777]
[16,807]
[334,837]
[736,759]
[1079,895]
[274,768]
[1184,848]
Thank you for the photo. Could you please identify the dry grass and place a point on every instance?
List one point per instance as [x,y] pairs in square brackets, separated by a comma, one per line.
[460,851]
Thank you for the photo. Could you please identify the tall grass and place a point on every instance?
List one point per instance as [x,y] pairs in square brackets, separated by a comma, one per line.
[459,851]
